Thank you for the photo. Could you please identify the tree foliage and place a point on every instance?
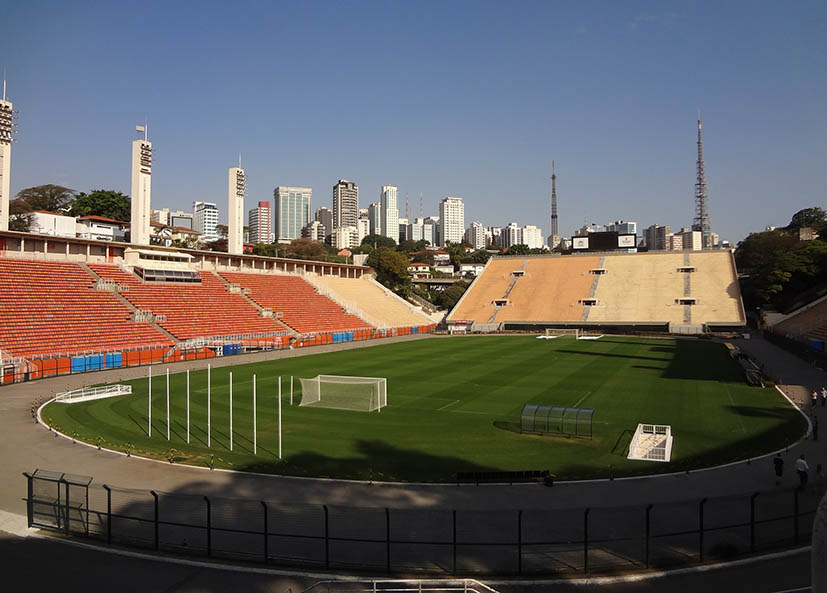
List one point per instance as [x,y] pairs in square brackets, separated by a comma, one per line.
[20,216]
[103,202]
[411,246]
[379,241]
[50,197]
[479,256]
[449,297]
[814,217]
[520,249]
[391,269]
[304,248]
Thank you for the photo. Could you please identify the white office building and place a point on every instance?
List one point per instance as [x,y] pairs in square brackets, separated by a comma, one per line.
[390,212]
[205,219]
[533,237]
[475,235]
[451,220]
[291,211]
[512,234]
[345,204]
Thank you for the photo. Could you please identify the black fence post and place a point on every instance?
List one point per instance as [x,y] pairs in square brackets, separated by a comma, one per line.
[387,539]
[586,540]
[108,514]
[209,526]
[752,522]
[701,530]
[266,536]
[520,542]
[67,507]
[30,499]
[155,496]
[326,537]
[648,531]
[795,516]
[454,544]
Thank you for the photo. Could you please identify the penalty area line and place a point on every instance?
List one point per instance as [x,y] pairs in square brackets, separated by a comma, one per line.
[582,399]
[448,405]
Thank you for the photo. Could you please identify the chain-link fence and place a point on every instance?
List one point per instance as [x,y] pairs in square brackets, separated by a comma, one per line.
[427,540]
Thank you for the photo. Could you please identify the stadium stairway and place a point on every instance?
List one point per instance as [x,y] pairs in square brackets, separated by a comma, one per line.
[129,305]
[261,309]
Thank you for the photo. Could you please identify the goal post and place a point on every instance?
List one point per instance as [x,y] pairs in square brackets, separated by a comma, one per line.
[651,442]
[361,394]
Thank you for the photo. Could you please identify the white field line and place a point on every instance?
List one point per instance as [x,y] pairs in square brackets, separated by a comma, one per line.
[456,401]
[580,401]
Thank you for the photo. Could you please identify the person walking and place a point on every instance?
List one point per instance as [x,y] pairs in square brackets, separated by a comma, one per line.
[814,398]
[823,396]
[778,462]
[803,470]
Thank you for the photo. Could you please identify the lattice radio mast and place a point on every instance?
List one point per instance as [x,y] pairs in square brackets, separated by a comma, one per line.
[554,232]
[701,222]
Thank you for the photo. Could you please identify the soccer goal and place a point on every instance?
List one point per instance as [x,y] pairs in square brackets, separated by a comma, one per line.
[651,442]
[362,394]
[584,334]
[552,333]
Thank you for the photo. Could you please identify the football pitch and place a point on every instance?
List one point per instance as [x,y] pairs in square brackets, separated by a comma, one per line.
[454,405]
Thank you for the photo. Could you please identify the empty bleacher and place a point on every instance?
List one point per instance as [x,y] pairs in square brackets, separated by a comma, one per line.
[296,302]
[809,323]
[367,296]
[51,308]
[205,309]
[611,289]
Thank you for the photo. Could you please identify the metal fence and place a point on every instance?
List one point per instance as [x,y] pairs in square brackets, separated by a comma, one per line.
[427,540]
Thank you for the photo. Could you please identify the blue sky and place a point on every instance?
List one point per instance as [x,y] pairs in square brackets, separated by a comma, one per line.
[472,99]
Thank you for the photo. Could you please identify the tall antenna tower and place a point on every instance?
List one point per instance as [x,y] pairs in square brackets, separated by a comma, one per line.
[421,206]
[554,232]
[701,222]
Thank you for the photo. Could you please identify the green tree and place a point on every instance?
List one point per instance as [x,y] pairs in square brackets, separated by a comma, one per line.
[305,248]
[520,249]
[266,249]
[20,216]
[449,297]
[391,269]
[103,202]
[809,217]
[480,256]
[51,198]
[411,246]
[379,241]
[222,230]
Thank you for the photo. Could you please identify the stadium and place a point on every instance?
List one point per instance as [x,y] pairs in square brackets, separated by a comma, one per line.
[184,390]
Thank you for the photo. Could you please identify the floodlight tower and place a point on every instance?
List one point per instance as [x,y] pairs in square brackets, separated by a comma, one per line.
[237,187]
[7,115]
[141,188]
[701,222]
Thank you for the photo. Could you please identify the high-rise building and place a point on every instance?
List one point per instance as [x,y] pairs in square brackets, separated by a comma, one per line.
[179,218]
[315,230]
[345,204]
[259,221]
[622,227]
[205,219]
[6,129]
[655,237]
[236,189]
[418,230]
[160,216]
[375,218]
[532,236]
[363,224]
[433,222]
[475,235]
[691,240]
[390,212]
[512,234]
[493,237]
[141,189]
[325,216]
[345,237]
[403,231]
[451,220]
[291,210]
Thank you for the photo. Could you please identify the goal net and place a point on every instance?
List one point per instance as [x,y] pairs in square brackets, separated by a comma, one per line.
[651,442]
[552,333]
[362,394]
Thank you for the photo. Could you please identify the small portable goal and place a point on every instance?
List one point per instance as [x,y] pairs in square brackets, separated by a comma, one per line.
[340,392]
[651,442]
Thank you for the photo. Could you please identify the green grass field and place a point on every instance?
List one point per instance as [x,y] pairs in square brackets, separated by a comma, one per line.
[448,400]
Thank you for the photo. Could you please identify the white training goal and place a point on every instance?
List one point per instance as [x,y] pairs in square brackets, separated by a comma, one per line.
[579,334]
[362,394]
[651,442]
[86,394]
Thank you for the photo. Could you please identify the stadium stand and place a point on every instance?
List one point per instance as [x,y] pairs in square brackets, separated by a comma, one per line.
[809,323]
[192,310]
[296,302]
[370,299]
[675,288]
[52,307]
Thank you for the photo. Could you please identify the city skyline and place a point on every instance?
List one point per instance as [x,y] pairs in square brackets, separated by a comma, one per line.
[610,95]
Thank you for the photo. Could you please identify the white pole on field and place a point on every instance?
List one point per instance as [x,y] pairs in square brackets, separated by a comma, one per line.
[291,390]
[231,410]
[149,396]
[188,406]
[255,434]
[279,398]
[167,403]
[208,406]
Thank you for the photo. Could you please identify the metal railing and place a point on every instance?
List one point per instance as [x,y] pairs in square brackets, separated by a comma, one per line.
[400,586]
[432,541]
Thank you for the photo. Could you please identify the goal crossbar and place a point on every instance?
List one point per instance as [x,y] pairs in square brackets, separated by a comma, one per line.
[341,392]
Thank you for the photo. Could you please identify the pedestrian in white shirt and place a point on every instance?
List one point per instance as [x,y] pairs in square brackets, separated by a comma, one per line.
[803,470]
